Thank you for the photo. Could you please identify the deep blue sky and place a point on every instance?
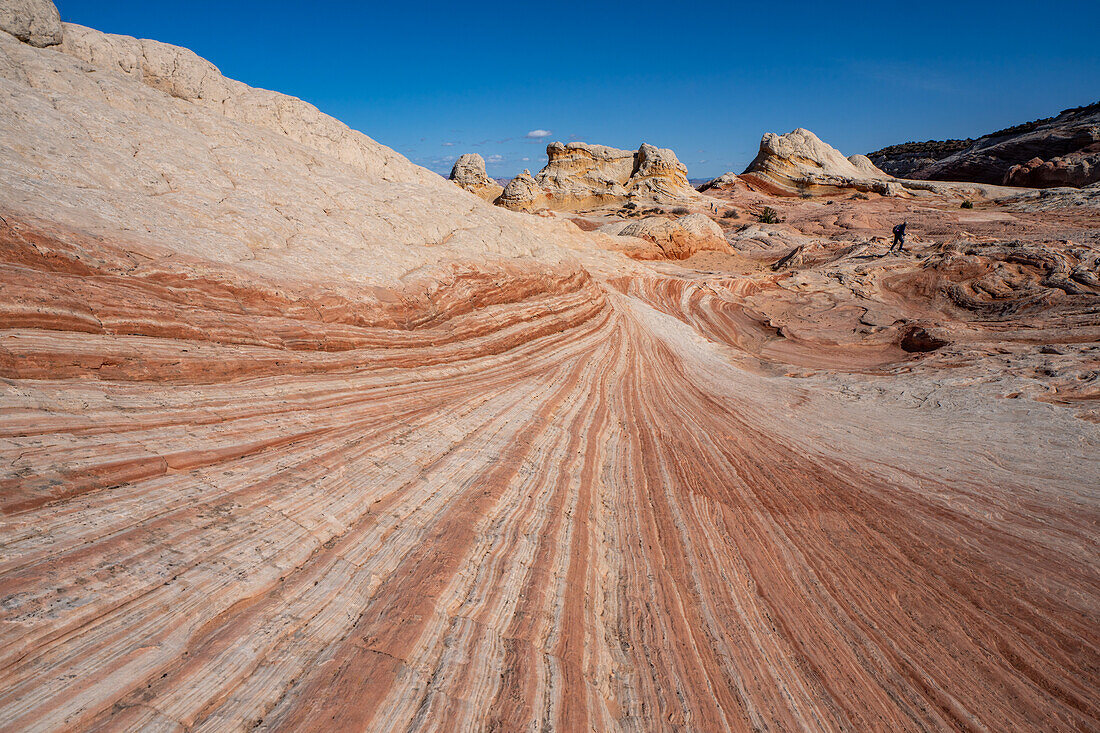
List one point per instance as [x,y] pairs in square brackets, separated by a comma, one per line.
[436,79]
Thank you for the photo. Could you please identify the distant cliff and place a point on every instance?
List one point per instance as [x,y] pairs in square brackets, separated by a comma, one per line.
[1063,150]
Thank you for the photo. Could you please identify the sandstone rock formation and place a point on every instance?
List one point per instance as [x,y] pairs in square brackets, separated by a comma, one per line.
[469,173]
[294,435]
[36,22]
[523,193]
[1067,147]
[1077,169]
[583,176]
[722,182]
[674,238]
[799,163]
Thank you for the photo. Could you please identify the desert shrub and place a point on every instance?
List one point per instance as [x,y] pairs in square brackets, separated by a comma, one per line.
[680,211]
[966,205]
[768,216]
[858,197]
[730,214]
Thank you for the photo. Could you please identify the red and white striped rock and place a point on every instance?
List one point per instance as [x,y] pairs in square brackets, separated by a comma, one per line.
[302,438]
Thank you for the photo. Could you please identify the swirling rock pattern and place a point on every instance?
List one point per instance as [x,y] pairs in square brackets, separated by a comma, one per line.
[429,464]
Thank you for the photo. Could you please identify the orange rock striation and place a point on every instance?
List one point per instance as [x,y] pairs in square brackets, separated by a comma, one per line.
[451,467]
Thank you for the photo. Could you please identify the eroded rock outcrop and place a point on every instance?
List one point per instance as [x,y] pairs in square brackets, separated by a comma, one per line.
[36,22]
[523,193]
[726,181]
[469,173]
[799,163]
[583,176]
[674,239]
[1063,150]
[1077,169]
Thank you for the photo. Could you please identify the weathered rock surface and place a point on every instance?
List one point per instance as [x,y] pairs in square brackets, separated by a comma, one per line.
[1076,169]
[295,435]
[523,193]
[673,238]
[1057,151]
[36,22]
[799,163]
[582,176]
[469,173]
[724,181]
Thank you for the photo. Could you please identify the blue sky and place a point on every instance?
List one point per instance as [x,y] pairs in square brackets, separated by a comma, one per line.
[437,79]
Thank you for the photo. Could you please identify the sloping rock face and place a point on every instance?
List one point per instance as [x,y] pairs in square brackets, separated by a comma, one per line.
[295,435]
[469,173]
[582,176]
[36,22]
[1067,148]
[799,163]
[907,159]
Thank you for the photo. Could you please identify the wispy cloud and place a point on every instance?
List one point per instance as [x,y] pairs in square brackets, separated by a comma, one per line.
[536,134]
[448,144]
[494,158]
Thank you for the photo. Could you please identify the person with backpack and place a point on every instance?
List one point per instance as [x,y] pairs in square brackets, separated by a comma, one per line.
[899,238]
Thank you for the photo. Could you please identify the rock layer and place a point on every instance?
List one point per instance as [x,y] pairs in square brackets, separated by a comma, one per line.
[295,438]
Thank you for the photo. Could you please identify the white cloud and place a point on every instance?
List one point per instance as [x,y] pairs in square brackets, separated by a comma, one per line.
[525,159]
[536,134]
[494,158]
[448,145]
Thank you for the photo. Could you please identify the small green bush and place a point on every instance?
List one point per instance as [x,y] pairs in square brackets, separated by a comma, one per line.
[768,216]
[730,214]
[679,211]
[966,205]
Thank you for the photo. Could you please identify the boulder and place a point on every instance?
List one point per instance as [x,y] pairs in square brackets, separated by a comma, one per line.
[36,22]
[523,194]
[799,163]
[723,182]
[676,238]
[469,173]
[581,176]
[1077,169]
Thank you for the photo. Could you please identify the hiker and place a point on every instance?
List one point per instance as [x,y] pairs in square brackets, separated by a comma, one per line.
[899,238]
